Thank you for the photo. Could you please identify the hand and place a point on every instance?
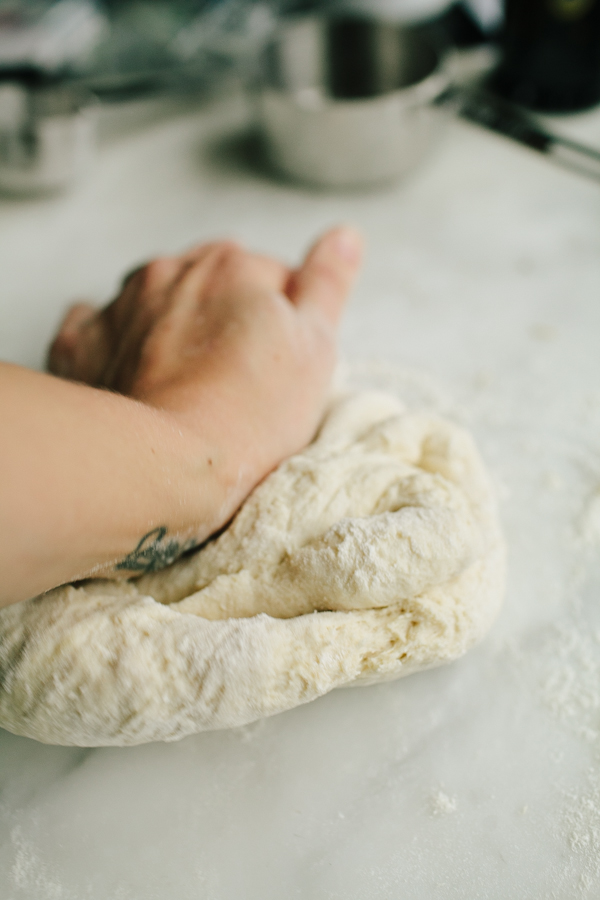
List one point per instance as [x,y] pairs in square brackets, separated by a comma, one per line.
[226,341]
[217,365]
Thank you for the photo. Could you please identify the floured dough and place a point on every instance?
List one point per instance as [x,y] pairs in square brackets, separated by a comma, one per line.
[374,553]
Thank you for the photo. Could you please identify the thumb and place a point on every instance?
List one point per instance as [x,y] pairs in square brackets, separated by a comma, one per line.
[324,280]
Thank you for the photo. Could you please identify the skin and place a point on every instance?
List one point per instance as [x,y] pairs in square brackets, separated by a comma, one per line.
[164,410]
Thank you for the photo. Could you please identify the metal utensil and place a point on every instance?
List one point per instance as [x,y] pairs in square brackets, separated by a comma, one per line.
[487,109]
[47,135]
[354,101]
[346,102]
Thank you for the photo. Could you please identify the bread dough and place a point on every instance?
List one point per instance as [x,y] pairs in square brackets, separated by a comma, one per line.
[374,553]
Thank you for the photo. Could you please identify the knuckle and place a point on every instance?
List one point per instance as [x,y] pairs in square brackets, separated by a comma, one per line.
[230,265]
[131,276]
[231,256]
[155,273]
[228,246]
[203,251]
[149,277]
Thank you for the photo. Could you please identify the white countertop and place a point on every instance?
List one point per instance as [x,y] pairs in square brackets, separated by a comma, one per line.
[480,299]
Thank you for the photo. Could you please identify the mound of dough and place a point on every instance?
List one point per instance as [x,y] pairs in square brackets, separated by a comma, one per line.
[374,553]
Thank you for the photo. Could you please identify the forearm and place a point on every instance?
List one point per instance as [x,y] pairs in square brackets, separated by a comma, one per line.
[86,475]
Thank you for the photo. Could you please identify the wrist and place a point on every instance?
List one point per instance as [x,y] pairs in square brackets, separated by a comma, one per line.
[217,467]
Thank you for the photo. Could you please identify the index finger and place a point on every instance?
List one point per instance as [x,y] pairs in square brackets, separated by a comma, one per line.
[323,281]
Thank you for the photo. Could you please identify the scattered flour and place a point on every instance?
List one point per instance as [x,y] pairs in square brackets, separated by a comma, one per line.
[569,662]
[588,527]
[442,804]
[582,822]
[418,389]
[571,678]
[31,876]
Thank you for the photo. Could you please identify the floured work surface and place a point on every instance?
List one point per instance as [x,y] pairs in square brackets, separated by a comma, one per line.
[374,553]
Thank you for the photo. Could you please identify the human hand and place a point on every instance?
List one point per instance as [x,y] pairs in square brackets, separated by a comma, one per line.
[229,343]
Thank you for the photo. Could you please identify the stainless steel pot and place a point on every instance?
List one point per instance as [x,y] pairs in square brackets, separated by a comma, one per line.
[346,102]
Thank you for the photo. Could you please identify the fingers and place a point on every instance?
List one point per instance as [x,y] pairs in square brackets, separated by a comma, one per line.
[240,271]
[143,288]
[324,280]
[197,277]
[200,251]
[63,356]
[101,348]
[228,269]
[75,317]
[126,322]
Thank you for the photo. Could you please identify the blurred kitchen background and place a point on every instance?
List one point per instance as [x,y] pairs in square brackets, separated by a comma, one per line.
[61,59]
[119,47]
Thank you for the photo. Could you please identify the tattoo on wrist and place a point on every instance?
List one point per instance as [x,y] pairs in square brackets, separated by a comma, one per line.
[154,552]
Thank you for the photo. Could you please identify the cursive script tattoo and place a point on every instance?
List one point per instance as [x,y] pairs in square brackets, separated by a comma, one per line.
[154,552]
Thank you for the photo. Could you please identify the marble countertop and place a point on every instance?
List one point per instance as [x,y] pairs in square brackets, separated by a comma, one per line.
[480,299]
